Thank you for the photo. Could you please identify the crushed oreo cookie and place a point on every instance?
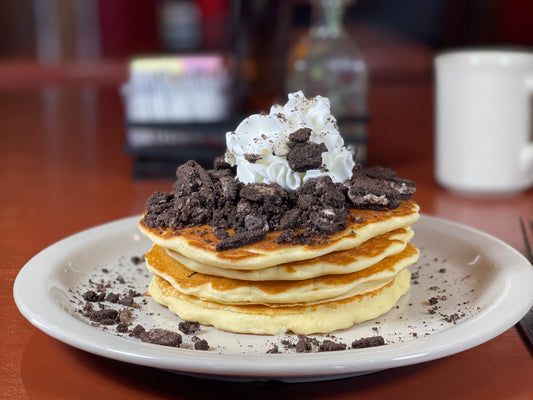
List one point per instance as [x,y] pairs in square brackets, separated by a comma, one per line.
[318,208]
[273,350]
[189,327]
[330,345]
[252,158]
[301,135]
[162,337]
[371,341]
[125,316]
[433,301]
[137,331]
[240,239]
[308,344]
[112,297]
[136,260]
[106,316]
[200,344]
[304,155]
[115,303]
[304,344]
[92,296]
[378,188]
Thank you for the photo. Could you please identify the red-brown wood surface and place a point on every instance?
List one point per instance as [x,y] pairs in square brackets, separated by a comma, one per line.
[63,169]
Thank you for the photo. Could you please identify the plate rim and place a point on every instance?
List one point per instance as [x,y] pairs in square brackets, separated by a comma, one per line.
[293,366]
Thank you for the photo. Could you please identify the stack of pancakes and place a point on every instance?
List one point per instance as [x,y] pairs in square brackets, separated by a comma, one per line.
[268,287]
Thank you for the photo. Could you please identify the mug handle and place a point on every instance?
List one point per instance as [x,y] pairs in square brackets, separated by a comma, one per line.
[526,156]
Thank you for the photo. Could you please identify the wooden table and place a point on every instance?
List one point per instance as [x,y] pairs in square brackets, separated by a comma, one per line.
[63,169]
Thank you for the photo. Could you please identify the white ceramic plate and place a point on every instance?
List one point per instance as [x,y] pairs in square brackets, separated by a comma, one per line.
[481,285]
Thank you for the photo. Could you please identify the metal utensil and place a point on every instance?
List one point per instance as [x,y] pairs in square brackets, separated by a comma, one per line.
[525,325]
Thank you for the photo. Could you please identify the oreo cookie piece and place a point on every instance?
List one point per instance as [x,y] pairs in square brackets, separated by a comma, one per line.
[263,193]
[372,341]
[369,193]
[252,158]
[229,187]
[301,135]
[304,155]
[321,191]
[161,337]
[194,195]
[160,210]
[404,188]
[191,177]
[329,219]
[240,239]
[378,188]
[220,163]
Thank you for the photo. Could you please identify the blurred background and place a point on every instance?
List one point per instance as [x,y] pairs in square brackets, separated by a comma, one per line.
[240,57]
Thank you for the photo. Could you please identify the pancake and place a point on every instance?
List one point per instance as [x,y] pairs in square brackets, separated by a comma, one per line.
[287,231]
[232,291]
[199,243]
[340,262]
[304,319]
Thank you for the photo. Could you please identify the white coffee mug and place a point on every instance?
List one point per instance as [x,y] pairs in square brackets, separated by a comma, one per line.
[484,121]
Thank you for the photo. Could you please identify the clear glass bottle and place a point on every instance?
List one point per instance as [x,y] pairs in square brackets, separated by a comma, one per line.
[327,62]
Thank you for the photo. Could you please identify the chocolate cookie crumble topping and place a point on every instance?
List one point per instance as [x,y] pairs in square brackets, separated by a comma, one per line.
[330,345]
[368,342]
[189,327]
[161,337]
[304,344]
[240,239]
[241,214]
[252,158]
[92,296]
[301,135]
[201,344]
[304,155]
[106,316]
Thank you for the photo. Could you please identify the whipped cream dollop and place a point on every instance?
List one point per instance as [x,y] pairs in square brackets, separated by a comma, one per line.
[260,145]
